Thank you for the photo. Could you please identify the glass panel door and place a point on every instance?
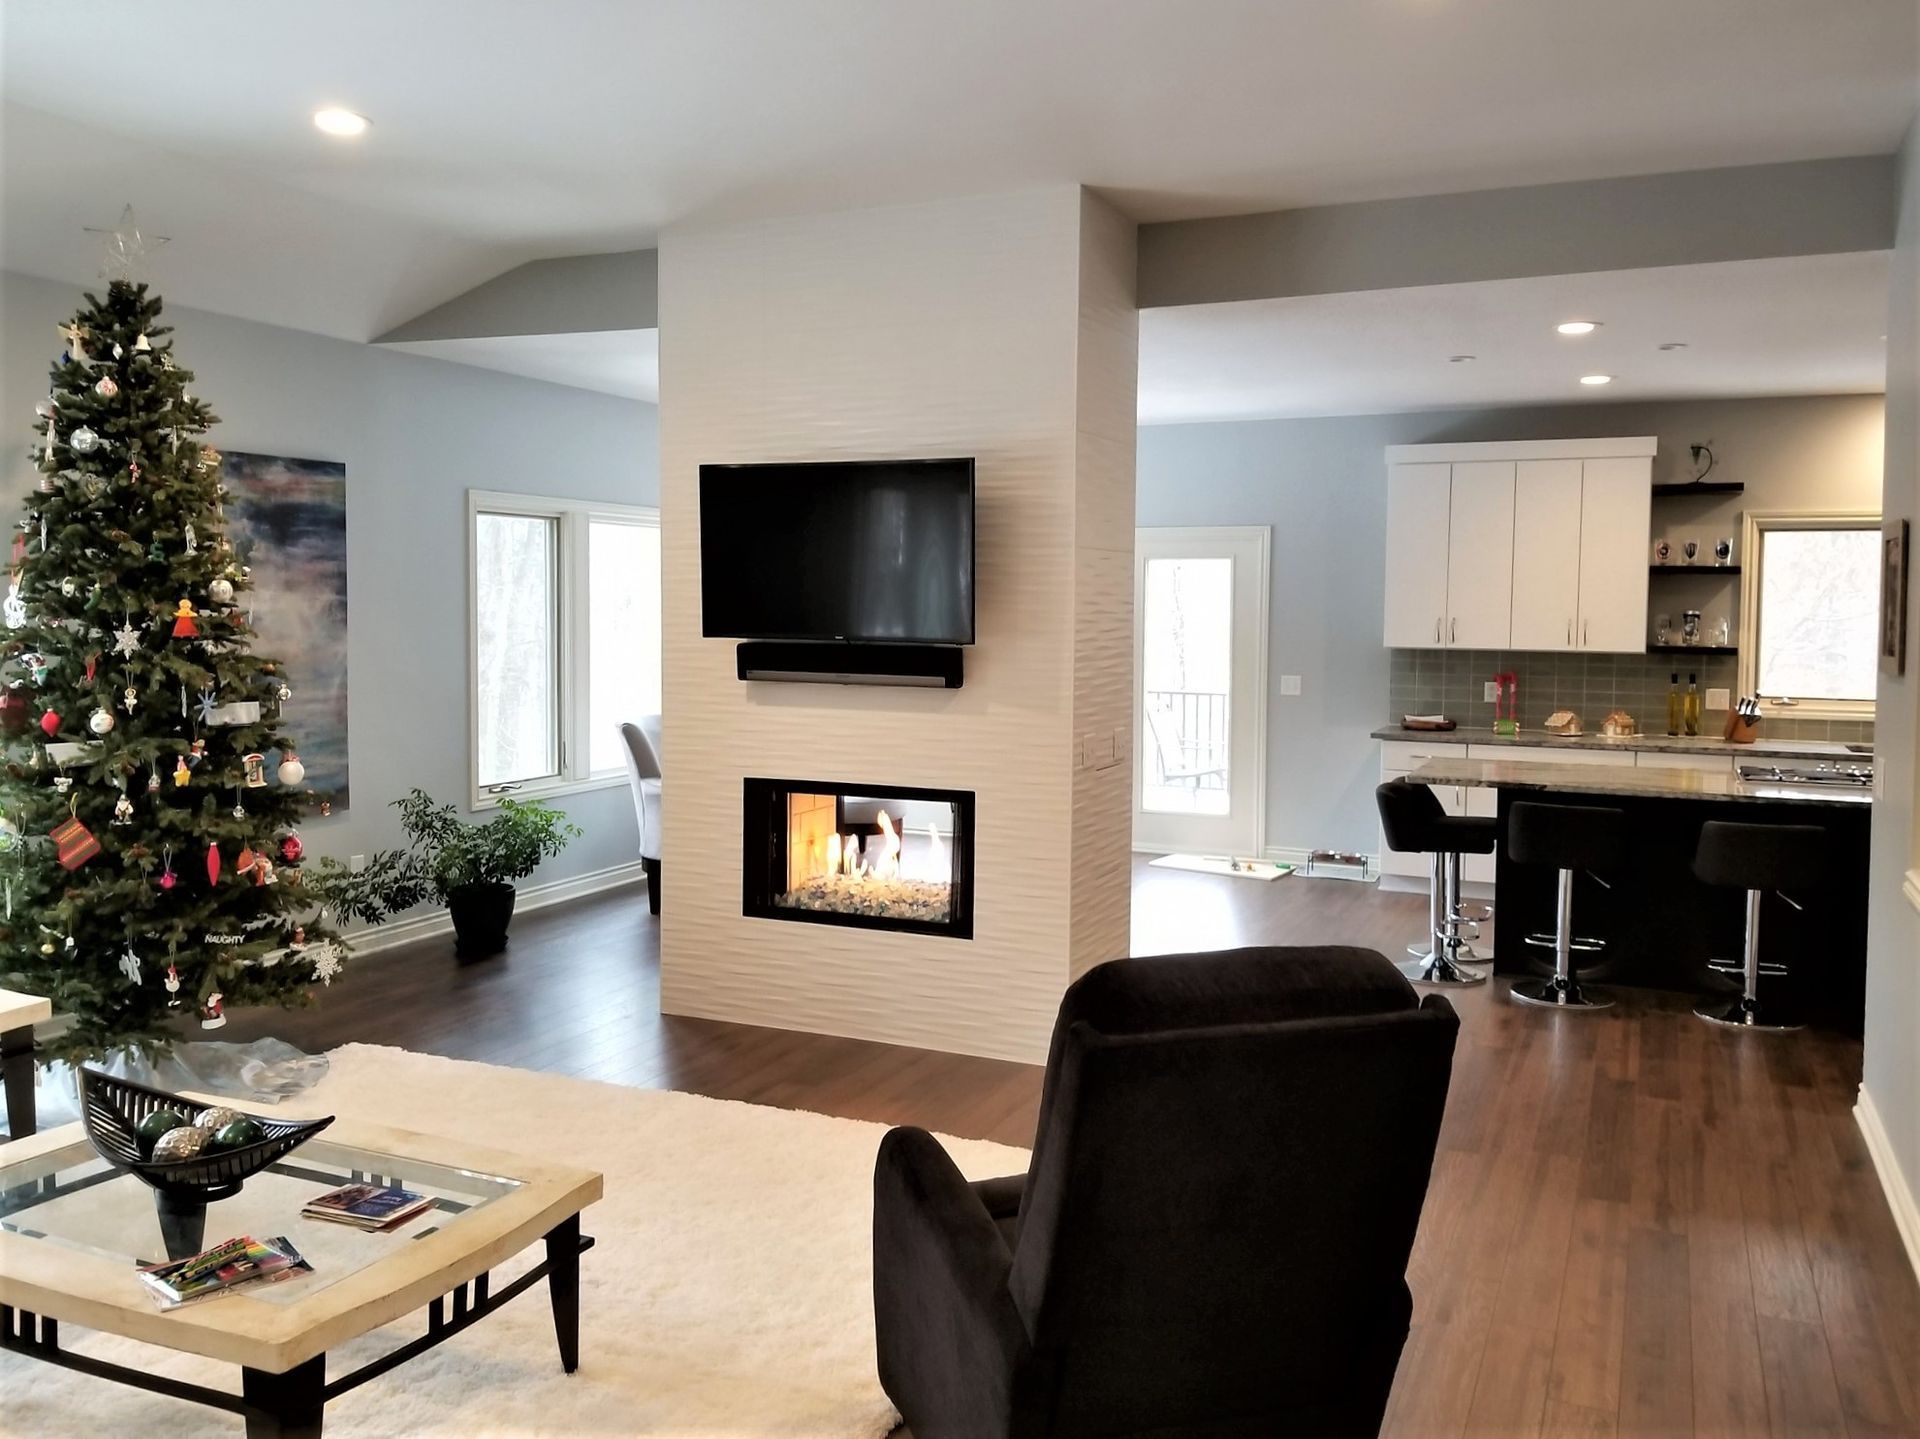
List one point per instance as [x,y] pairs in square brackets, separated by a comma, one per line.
[1200,616]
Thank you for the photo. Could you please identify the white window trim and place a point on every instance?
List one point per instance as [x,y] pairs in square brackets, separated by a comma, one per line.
[1753,526]
[573,595]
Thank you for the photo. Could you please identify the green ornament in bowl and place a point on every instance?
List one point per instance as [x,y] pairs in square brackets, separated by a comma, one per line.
[241,1131]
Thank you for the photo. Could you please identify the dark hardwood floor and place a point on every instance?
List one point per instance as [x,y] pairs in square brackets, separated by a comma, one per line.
[1638,1224]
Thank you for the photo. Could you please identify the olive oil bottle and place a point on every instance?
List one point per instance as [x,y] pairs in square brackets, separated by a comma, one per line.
[1692,707]
[1674,708]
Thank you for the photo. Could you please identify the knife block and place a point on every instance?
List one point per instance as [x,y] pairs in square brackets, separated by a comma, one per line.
[1740,730]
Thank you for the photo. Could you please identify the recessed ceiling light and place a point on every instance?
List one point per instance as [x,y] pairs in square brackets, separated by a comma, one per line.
[1673,345]
[1596,379]
[1577,327]
[1460,359]
[344,123]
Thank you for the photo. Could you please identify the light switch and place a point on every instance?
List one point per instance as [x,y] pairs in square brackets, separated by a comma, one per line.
[1490,692]
[1719,699]
[1289,684]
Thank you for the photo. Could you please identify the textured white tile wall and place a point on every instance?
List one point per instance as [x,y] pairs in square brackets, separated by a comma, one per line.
[1000,327]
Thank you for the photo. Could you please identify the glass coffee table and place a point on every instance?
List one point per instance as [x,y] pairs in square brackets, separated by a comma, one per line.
[73,1229]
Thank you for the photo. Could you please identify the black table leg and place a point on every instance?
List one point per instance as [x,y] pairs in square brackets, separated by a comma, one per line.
[286,1406]
[563,1288]
[16,1067]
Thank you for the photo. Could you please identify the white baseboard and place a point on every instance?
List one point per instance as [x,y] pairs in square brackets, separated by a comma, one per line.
[429,923]
[1901,1197]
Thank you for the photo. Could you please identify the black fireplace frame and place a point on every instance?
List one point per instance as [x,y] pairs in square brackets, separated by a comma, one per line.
[763,839]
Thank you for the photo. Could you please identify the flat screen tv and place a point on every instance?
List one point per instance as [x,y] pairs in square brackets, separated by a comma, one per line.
[871,551]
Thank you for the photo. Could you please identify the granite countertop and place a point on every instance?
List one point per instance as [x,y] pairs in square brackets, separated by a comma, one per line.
[1653,743]
[1629,781]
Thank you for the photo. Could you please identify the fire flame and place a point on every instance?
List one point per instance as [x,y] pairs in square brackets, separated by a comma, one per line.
[887,864]
[881,856]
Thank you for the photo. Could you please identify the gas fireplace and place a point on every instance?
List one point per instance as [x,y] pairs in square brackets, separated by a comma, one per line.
[871,856]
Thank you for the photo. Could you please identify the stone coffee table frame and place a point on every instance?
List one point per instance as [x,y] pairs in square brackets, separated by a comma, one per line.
[282,1347]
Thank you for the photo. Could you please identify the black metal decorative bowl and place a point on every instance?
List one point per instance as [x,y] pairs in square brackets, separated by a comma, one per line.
[111,1111]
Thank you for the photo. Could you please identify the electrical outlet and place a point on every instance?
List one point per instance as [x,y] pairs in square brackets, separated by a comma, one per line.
[356,864]
[1719,699]
[1289,684]
[1490,692]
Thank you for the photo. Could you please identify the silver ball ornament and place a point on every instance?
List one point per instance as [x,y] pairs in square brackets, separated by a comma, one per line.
[291,771]
[215,1119]
[100,721]
[83,441]
[186,1142]
[46,409]
[221,592]
[106,387]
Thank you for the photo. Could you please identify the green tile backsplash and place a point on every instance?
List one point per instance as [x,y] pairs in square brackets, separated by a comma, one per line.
[1451,682]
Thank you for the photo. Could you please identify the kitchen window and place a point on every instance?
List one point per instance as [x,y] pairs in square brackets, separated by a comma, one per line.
[564,619]
[1809,613]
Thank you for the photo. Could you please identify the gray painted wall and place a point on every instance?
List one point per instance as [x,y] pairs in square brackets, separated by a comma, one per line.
[1811,207]
[415,434]
[1892,1063]
[1321,486]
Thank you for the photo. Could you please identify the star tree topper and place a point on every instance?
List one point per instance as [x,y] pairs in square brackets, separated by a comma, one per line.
[127,248]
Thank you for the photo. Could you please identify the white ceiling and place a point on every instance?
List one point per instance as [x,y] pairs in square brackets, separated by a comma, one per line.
[505,130]
[1810,325]
[614,362]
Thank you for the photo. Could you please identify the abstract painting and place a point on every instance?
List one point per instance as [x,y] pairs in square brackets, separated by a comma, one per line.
[288,521]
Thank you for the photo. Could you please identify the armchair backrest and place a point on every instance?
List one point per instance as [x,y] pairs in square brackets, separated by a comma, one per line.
[1231,1158]
[640,748]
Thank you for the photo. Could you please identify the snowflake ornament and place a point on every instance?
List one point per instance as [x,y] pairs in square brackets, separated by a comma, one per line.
[326,961]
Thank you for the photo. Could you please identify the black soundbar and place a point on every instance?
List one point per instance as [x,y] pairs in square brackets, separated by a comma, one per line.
[820,663]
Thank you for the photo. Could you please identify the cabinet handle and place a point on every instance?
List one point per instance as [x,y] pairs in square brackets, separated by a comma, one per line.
[1569,634]
[1453,631]
[1436,629]
[1586,627]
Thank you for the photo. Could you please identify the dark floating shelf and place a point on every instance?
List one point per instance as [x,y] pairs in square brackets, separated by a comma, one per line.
[1653,649]
[1699,487]
[1693,569]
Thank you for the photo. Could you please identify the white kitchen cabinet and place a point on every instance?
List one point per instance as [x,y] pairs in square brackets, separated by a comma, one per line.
[1418,501]
[1545,545]
[1546,550]
[1480,556]
[1616,517]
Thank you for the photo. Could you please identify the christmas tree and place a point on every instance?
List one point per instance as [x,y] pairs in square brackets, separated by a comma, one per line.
[150,859]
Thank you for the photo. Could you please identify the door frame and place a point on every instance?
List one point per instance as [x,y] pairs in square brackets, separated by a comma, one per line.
[1201,535]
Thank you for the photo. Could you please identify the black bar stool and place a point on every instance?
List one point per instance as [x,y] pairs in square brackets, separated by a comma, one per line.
[1414,822]
[1755,858]
[1567,838]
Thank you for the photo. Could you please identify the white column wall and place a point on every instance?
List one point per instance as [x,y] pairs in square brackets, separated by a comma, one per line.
[1000,327]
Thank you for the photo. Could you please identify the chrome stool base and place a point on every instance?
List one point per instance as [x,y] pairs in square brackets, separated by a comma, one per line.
[1740,1012]
[1438,969]
[1556,992]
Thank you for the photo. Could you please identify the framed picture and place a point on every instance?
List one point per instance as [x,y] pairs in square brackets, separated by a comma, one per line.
[1896,558]
[288,520]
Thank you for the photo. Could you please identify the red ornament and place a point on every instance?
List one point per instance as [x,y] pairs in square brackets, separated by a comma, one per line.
[292,848]
[168,879]
[213,862]
[50,722]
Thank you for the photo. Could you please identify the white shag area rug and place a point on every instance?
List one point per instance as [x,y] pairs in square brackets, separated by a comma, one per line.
[729,1293]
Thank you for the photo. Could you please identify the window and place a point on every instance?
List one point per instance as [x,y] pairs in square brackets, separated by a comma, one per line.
[564,603]
[1809,613]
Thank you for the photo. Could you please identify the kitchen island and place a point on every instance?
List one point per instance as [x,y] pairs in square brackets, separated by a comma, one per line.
[1662,926]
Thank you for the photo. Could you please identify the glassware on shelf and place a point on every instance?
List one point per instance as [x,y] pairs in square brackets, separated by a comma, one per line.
[1662,629]
[1723,552]
[1690,628]
[1690,549]
[1722,632]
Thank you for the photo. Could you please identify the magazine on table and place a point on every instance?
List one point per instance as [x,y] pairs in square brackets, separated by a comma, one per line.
[222,1269]
[367,1206]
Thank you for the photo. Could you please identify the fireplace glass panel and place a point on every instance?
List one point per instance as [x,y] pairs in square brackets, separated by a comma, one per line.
[869,856]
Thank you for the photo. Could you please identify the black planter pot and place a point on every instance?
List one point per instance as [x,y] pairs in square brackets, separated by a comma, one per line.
[481,913]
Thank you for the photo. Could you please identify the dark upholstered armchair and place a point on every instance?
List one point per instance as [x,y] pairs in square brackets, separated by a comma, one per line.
[1232,1153]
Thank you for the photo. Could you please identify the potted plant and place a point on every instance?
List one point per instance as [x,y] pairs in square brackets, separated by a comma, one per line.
[470,868]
